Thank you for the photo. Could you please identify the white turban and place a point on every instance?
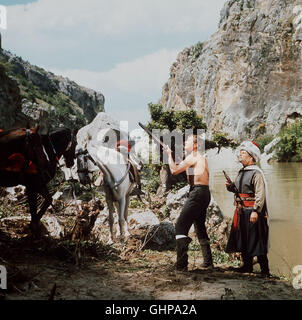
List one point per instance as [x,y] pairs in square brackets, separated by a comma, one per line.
[252,149]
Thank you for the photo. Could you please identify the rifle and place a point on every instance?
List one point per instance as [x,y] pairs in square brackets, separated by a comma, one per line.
[236,191]
[151,135]
[236,218]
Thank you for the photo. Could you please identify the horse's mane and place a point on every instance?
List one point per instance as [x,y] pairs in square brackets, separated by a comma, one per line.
[57,131]
[57,134]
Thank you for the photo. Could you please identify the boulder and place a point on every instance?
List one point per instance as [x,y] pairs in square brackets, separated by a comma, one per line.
[53,227]
[57,195]
[100,230]
[176,200]
[18,226]
[15,193]
[214,213]
[160,237]
[142,220]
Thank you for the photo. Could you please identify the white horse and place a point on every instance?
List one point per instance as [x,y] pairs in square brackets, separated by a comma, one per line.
[117,183]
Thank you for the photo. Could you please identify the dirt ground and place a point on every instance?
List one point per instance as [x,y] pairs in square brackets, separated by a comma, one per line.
[64,270]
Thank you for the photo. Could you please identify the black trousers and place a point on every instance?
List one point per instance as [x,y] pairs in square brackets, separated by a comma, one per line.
[194,211]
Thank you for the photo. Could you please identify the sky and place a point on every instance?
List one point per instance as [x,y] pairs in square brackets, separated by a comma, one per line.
[121,48]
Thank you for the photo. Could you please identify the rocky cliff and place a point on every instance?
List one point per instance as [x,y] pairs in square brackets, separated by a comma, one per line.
[10,101]
[29,93]
[247,78]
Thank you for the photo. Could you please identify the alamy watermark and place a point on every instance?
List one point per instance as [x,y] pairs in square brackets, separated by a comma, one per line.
[3,17]
[3,278]
[143,146]
[297,281]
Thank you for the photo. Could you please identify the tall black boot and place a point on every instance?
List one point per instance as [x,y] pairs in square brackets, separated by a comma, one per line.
[206,253]
[263,261]
[182,245]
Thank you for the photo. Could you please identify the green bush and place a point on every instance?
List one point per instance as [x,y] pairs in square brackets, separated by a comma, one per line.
[150,173]
[135,204]
[289,148]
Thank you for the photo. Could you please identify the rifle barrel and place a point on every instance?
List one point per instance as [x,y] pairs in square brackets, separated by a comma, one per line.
[151,135]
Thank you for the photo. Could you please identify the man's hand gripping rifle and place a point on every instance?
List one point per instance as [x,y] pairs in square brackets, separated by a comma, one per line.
[233,188]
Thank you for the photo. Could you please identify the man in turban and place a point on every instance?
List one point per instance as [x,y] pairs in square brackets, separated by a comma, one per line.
[250,227]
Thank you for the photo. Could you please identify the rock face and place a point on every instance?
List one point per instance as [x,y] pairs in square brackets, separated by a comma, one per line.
[10,101]
[247,77]
[90,101]
[29,93]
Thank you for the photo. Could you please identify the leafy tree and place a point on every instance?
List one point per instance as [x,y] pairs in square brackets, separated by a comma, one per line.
[221,140]
[289,148]
[171,120]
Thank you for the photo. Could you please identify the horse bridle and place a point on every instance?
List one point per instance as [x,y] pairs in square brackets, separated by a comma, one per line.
[85,170]
[87,156]
[70,142]
[67,148]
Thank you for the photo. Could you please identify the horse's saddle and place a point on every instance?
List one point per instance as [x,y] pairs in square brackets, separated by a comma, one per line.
[17,163]
[134,174]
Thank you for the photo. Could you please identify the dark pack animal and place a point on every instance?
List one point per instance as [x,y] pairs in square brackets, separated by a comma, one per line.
[31,159]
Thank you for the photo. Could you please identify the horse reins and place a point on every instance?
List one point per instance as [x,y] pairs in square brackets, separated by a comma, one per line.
[85,170]
[53,148]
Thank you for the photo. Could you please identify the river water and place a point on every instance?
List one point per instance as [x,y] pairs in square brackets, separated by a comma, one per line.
[284,202]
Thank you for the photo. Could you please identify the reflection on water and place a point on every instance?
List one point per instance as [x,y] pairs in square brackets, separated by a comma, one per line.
[284,201]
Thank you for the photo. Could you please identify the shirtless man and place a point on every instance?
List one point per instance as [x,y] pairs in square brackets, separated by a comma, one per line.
[195,208]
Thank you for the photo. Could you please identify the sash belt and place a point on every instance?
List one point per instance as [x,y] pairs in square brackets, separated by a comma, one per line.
[248,201]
